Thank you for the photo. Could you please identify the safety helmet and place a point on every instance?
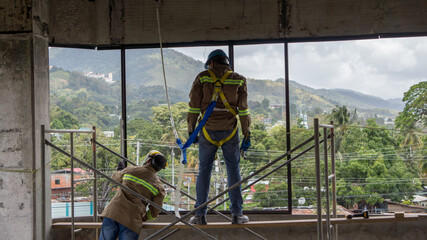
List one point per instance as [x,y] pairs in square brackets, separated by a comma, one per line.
[157,160]
[214,53]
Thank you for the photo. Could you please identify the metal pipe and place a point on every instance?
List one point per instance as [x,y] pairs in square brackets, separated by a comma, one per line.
[325,152]
[253,174]
[124,110]
[43,180]
[95,180]
[127,189]
[72,183]
[288,125]
[231,55]
[209,209]
[222,193]
[318,193]
[334,181]
[67,131]
[183,192]
[219,195]
[271,172]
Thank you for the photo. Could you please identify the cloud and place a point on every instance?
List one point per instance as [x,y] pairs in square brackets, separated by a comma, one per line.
[384,68]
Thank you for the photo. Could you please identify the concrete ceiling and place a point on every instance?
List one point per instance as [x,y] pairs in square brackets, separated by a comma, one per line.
[116,23]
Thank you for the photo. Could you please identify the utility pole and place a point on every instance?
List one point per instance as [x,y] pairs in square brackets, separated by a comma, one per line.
[137,153]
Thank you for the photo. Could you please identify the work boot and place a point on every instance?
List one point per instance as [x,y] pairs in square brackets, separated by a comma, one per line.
[198,220]
[239,219]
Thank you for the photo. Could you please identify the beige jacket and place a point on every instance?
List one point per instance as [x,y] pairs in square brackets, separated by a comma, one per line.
[128,209]
[235,92]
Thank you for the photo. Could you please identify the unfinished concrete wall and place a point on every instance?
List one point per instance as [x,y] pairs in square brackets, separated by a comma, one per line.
[411,230]
[24,106]
[113,23]
[398,230]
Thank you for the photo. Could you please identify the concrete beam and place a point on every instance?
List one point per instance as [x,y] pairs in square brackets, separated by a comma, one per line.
[134,22]
[15,16]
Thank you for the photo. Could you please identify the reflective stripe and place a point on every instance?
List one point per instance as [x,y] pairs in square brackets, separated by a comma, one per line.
[206,79]
[149,216]
[142,182]
[233,82]
[244,112]
[226,82]
[193,110]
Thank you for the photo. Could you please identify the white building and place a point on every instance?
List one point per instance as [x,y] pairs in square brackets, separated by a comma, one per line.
[108,79]
[108,134]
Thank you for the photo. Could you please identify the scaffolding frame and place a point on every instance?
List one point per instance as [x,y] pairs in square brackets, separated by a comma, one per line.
[316,146]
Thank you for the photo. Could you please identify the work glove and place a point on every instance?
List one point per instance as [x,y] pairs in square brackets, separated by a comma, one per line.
[196,140]
[121,166]
[246,142]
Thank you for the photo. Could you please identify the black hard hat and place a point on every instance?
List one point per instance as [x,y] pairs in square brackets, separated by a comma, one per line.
[215,53]
[157,160]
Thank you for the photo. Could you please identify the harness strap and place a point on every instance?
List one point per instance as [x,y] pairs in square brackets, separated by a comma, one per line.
[218,92]
[221,142]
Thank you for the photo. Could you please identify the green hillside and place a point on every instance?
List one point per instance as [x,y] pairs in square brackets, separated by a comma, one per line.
[143,66]
[145,82]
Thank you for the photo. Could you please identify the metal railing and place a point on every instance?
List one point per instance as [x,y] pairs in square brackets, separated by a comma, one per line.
[43,160]
[327,177]
[316,147]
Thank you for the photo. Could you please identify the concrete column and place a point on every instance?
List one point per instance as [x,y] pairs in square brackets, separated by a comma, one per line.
[24,107]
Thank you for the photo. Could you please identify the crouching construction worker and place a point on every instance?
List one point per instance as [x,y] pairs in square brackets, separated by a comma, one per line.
[125,214]
[218,83]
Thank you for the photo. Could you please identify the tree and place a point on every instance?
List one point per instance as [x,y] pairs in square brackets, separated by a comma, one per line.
[341,117]
[415,111]
[265,103]
[272,195]
[61,119]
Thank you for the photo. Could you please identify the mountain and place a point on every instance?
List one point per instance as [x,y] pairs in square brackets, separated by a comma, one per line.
[145,80]
[143,66]
[65,83]
[352,98]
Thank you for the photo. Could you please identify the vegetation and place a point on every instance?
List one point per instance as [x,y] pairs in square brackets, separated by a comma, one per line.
[374,162]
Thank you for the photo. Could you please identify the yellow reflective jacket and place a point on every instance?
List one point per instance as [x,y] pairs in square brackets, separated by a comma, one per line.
[235,91]
[128,209]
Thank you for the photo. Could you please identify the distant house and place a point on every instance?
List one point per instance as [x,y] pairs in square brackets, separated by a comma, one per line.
[389,121]
[266,120]
[420,200]
[393,207]
[275,106]
[60,181]
[107,78]
[108,134]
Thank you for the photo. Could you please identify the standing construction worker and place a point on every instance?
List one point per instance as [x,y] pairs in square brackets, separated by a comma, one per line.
[125,214]
[228,88]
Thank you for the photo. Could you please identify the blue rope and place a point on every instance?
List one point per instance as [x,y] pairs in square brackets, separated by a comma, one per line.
[193,136]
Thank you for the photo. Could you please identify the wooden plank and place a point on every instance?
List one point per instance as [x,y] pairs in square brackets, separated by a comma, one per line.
[253,224]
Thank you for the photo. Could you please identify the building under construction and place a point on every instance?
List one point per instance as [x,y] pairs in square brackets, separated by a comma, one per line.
[29,27]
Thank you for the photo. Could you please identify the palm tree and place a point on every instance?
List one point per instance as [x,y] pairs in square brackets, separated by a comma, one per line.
[413,140]
[341,117]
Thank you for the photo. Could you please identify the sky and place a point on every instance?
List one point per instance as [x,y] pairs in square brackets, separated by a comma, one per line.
[385,68]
